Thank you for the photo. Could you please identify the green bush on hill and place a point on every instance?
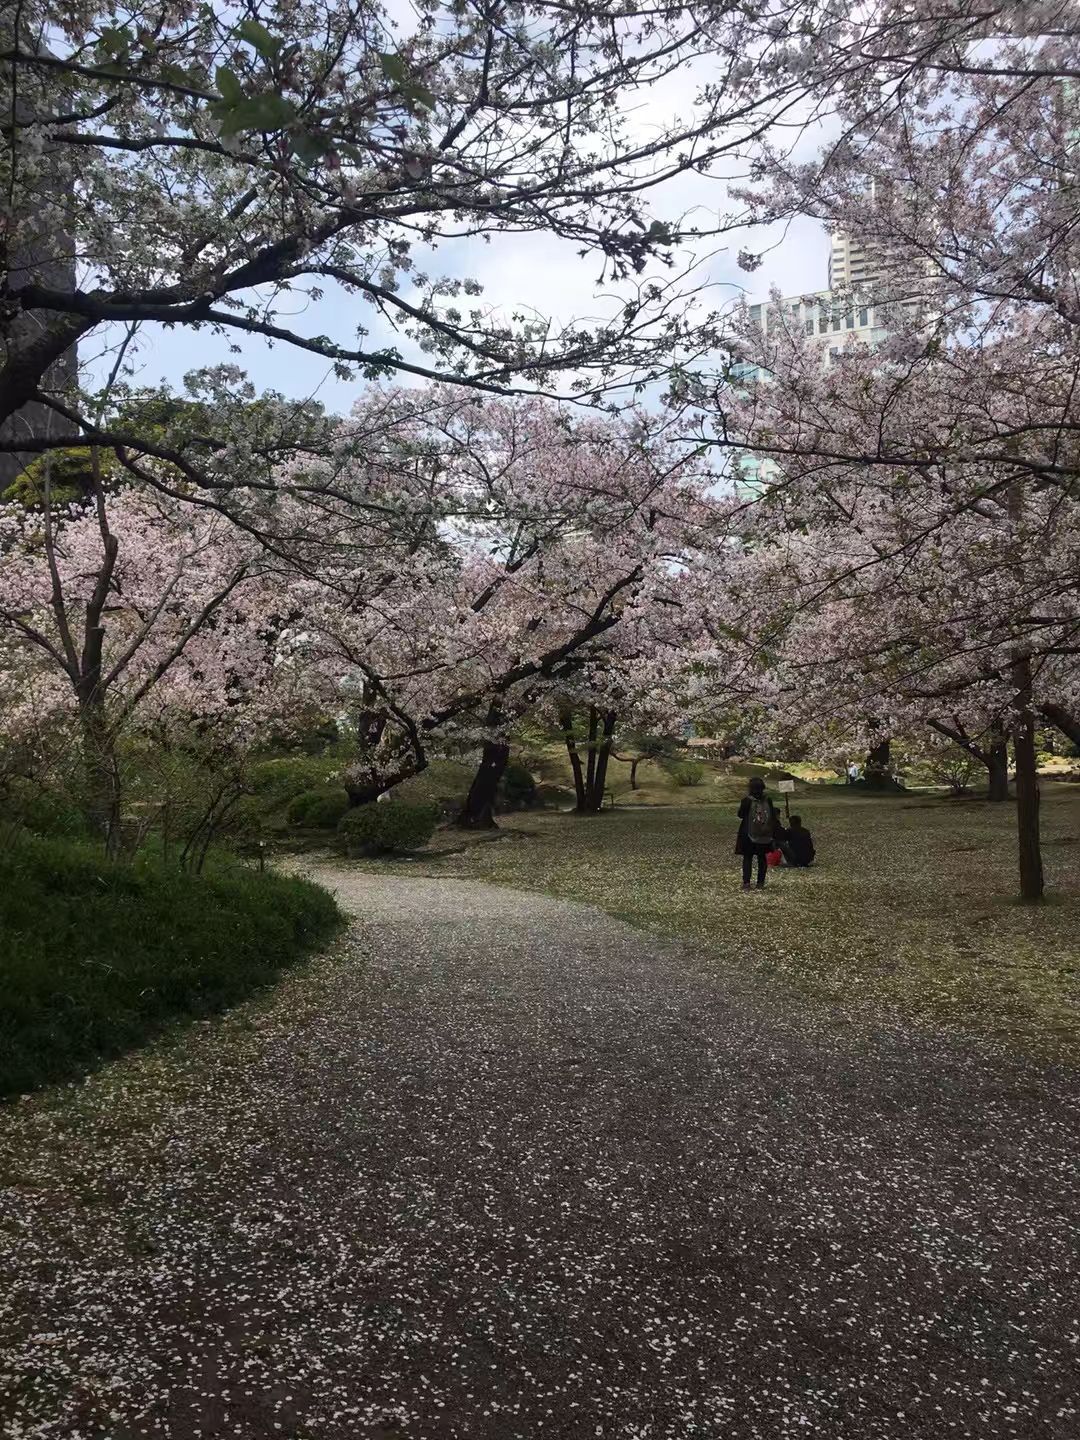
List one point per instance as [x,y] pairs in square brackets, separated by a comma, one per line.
[517,789]
[392,825]
[276,782]
[95,956]
[318,809]
[687,772]
[49,812]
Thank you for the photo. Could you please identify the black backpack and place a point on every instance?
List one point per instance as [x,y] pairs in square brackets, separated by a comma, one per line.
[759,821]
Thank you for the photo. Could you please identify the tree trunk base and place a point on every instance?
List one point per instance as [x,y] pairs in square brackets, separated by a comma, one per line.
[467,821]
[1027,788]
[478,810]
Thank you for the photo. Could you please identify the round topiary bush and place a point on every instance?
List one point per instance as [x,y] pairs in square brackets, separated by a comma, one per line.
[687,772]
[317,809]
[392,825]
[517,789]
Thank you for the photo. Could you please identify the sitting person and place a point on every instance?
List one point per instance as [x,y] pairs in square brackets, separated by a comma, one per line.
[798,844]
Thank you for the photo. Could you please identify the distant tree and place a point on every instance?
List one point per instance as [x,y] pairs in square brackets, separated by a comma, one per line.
[641,748]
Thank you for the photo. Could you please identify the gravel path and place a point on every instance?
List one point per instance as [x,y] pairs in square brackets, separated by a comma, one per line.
[502,1167]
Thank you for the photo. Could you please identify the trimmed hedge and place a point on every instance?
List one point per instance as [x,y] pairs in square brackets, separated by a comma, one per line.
[391,825]
[517,788]
[318,809]
[95,956]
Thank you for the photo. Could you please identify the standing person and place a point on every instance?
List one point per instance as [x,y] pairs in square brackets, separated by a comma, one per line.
[758,823]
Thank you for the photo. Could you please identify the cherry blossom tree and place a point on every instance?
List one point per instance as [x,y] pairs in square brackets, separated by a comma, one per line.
[127,608]
[557,534]
[859,604]
[913,518]
[213,168]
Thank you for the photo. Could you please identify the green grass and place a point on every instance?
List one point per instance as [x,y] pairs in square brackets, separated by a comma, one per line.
[911,910]
[95,957]
[721,780]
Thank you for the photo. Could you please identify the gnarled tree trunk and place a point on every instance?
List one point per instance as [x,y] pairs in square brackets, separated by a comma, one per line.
[1062,720]
[877,774]
[590,780]
[603,755]
[994,754]
[366,789]
[101,772]
[566,723]
[478,810]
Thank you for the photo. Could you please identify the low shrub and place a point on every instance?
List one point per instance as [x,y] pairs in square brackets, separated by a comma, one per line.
[45,811]
[687,772]
[276,782]
[95,956]
[318,809]
[391,825]
[517,788]
[442,784]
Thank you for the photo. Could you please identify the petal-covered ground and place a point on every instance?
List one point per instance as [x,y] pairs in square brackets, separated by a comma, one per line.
[500,1166]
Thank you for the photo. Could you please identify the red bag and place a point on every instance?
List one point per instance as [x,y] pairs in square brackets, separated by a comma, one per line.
[773,857]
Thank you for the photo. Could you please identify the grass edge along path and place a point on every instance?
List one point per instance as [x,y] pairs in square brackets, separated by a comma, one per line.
[910,915]
[96,957]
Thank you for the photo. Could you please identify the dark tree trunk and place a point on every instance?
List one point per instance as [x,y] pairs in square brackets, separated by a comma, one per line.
[996,760]
[603,756]
[102,780]
[590,779]
[364,792]
[601,735]
[590,773]
[566,721]
[1027,787]
[994,755]
[98,739]
[1062,720]
[102,774]
[634,763]
[876,772]
[478,811]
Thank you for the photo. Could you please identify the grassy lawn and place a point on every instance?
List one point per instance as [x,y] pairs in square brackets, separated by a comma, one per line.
[95,957]
[910,911]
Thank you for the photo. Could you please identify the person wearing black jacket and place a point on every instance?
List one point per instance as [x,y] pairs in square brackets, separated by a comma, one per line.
[758,823]
[798,844]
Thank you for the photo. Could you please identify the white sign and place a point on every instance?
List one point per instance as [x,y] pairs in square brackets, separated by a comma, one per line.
[786,787]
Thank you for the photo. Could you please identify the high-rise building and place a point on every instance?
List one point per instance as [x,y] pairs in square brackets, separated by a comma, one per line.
[831,319]
[844,314]
[852,266]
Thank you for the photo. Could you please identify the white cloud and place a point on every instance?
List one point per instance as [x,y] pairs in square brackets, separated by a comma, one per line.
[533,273]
